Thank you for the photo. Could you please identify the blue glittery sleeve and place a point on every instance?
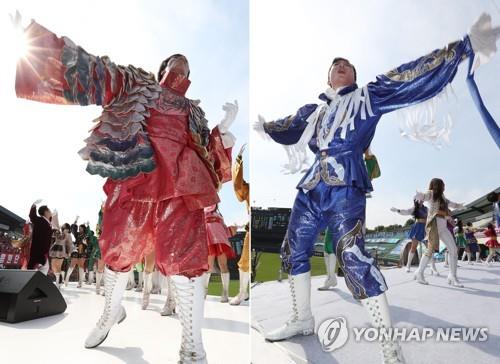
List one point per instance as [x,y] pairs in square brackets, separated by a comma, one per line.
[419,80]
[288,130]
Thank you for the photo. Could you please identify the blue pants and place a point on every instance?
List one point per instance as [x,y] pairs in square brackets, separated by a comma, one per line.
[342,210]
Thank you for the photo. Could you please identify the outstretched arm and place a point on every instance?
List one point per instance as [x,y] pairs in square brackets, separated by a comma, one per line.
[403,212]
[288,130]
[57,71]
[241,187]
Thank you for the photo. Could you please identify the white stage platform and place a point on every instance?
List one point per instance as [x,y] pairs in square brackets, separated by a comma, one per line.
[412,305]
[144,337]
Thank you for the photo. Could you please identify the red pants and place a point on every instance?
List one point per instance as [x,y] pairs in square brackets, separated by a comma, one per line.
[131,230]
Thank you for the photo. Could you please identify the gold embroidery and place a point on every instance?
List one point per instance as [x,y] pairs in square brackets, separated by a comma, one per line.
[274,126]
[426,64]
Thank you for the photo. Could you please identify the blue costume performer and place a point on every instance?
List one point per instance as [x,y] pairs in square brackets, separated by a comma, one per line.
[332,192]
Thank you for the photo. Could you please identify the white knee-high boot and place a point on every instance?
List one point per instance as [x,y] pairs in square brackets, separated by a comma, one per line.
[378,309]
[302,320]
[114,285]
[146,292]
[190,306]
[169,307]
[68,275]
[331,277]
[446,237]
[81,277]
[206,281]
[433,266]
[410,259]
[243,294]
[478,257]
[58,275]
[155,286]
[225,287]
[91,277]
[140,282]
[419,274]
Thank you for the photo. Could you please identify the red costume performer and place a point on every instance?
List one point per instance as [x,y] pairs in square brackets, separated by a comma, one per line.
[162,163]
[218,233]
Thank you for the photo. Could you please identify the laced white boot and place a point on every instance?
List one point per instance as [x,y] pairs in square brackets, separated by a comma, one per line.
[302,320]
[243,295]
[419,274]
[148,283]
[190,304]
[169,308]
[378,309]
[331,278]
[114,286]
[68,274]
[98,278]
[225,287]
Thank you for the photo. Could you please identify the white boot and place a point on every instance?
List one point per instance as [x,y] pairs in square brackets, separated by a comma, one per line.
[146,292]
[58,275]
[131,280]
[478,258]
[452,275]
[141,280]
[302,320]
[169,308]
[62,277]
[98,278]
[190,304]
[331,278]
[81,277]
[68,274]
[155,286]
[469,257]
[446,259]
[243,295]
[114,285]
[464,255]
[206,281]
[419,274]
[410,259]
[433,267]
[91,277]
[225,287]
[378,309]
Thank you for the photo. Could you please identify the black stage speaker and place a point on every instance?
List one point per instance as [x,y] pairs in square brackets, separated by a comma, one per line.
[27,295]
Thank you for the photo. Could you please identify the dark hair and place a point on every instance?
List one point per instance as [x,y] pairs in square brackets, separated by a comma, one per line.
[82,226]
[416,207]
[469,224]
[490,226]
[460,226]
[437,187]
[164,65]
[42,209]
[492,196]
[336,59]
[66,226]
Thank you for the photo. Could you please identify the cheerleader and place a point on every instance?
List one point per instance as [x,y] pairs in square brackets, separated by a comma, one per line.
[417,232]
[61,249]
[492,243]
[219,247]
[472,245]
[79,254]
[437,230]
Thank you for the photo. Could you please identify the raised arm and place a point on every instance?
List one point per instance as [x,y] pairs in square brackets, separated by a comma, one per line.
[419,80]
[404,212]
[288,130]
[57,71]
[241,187]
[33,215]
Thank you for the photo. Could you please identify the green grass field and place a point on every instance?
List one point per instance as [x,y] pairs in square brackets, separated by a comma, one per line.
[215,288]
[269,266]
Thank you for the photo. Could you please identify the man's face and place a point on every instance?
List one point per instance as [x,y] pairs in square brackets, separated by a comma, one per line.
[341,74]
[178,65]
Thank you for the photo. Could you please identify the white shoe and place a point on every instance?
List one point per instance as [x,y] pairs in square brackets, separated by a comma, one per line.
[331,278]
[68,274]
[302,320]
[190,304]
[419,274]
[148,282]
[378,309]
[169,307]
[114,285]
[419,277]
[408,270]
[243,294]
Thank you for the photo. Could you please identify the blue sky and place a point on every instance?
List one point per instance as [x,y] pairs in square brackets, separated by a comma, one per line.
[40,142]
[292,45]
